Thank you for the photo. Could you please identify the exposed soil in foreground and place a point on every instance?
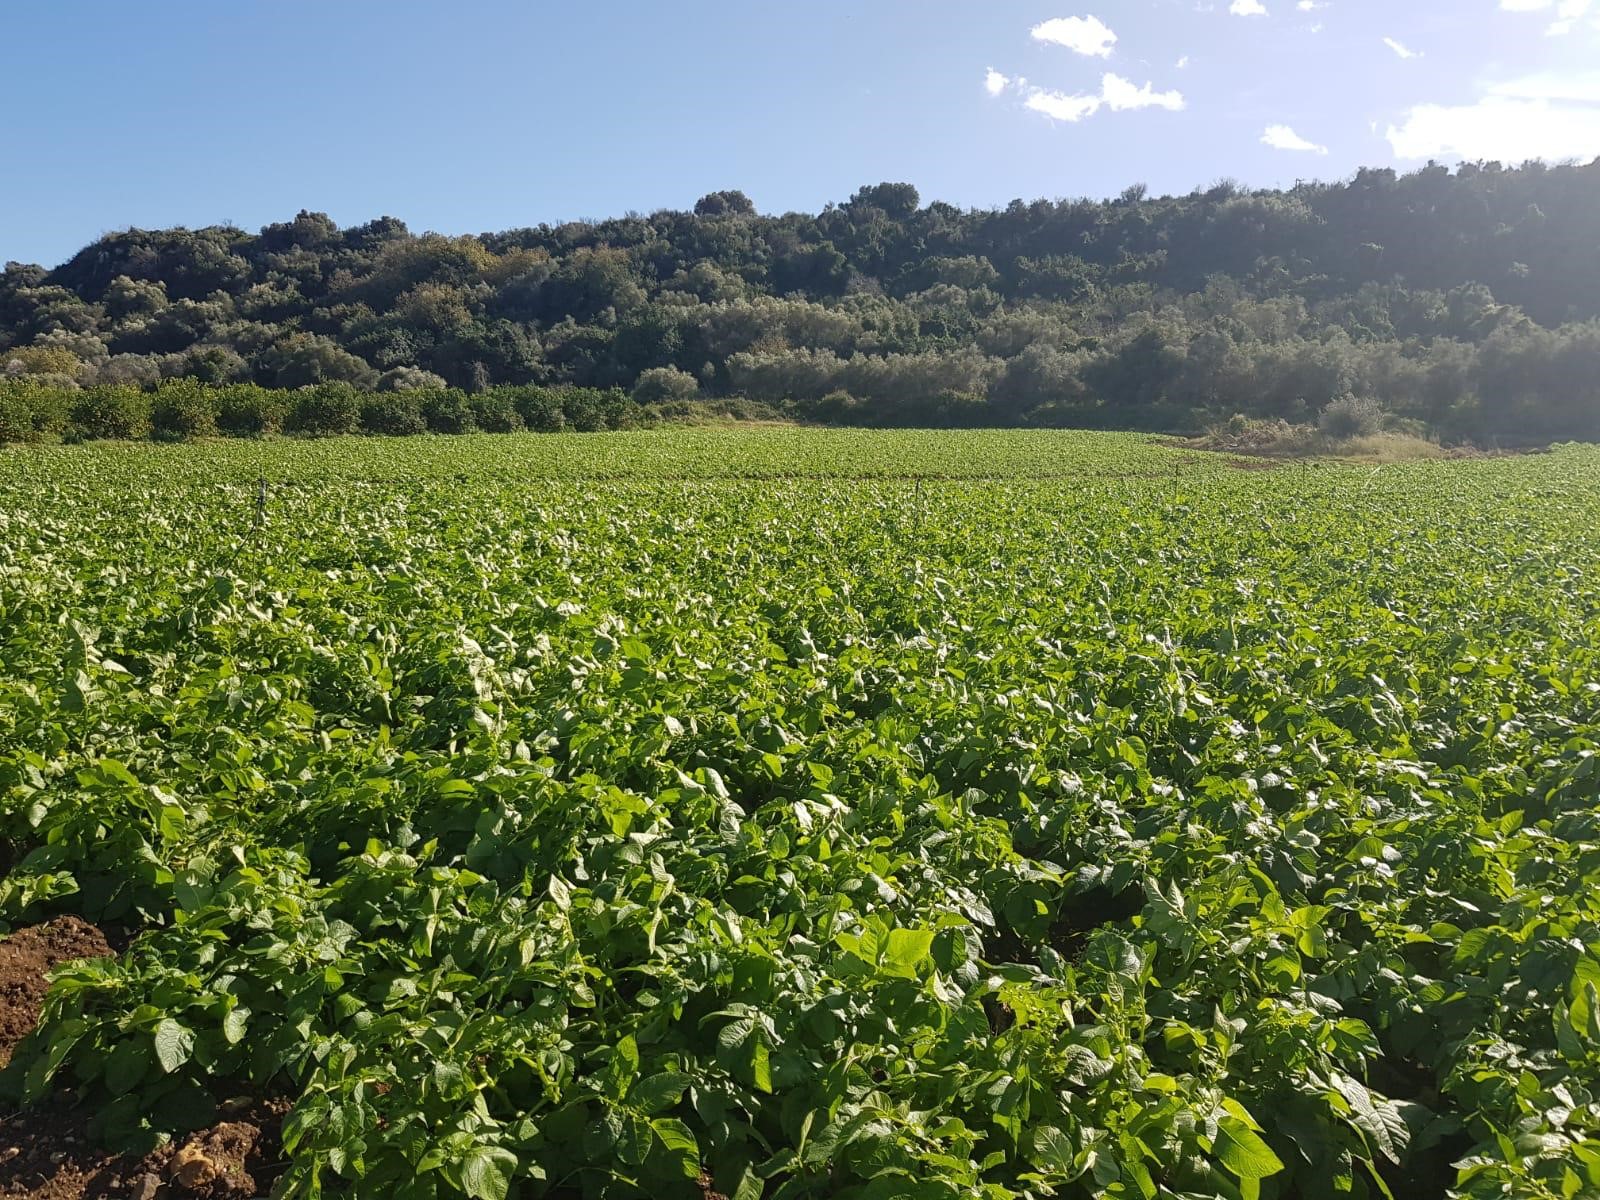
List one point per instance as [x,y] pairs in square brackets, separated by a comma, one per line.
[47,1154]
[25,956]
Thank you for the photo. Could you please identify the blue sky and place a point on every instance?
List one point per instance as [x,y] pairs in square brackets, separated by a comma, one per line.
[477,115]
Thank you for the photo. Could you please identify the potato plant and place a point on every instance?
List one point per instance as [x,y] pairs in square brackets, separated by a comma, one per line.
[802,814]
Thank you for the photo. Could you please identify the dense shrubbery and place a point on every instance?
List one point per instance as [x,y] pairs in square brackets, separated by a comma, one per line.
[325,409]
[393,413]
[108,412]
[1467,301]
[244,410]
[185,408]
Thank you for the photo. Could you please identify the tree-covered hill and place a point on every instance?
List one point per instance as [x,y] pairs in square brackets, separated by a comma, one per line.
[1465,302]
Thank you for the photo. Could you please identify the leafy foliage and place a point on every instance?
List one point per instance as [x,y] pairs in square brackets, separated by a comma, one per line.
[1464,302]
[600,815]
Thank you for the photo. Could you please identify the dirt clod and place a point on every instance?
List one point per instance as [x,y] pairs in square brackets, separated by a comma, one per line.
[212,1163]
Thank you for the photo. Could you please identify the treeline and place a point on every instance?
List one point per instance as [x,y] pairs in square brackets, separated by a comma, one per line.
[180,409]
[1462,302]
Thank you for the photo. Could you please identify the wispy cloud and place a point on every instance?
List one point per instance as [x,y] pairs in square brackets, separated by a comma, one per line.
[1084,35]
[1281,137]
[1120,95]
[1309,5]
[1247,8]
[1567,12]
[1400,48]
[1550,86]
[1059,106]
[1116,93]
[1548,116]
[1182,63]
[994,83]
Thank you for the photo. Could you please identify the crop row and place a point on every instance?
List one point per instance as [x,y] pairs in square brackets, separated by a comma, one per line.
[1121,835]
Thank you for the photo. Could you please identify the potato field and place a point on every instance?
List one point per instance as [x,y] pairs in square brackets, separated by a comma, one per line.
[785,814]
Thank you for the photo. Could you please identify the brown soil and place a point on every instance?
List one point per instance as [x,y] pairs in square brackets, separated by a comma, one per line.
[47,1154]
[25,957]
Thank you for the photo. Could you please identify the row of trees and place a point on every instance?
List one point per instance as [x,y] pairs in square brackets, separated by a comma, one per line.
[1521,385]
[1168,312]
[185,408]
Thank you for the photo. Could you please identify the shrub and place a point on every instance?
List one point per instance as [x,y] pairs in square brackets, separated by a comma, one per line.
[1351,416]
[31,413]
[183,409]
[409,379]
[16,416]
[496,411]
[448,411]
[325,408]
[837,407]
[540,409]
[660,385]
[40,360]
[396,412]
[583,408]
[954,408]
[108,412]
[246,410]
[589,409]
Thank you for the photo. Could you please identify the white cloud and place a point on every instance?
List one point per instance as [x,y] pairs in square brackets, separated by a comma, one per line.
[1401,48]
[1281,137]
[994,83]
[1567,12]
[1547,85]
[1182,63]
[1309,5]
[1059,106]
[1540,116]
[1116,93]
[1085,35]
[1120,95]
[1247,8]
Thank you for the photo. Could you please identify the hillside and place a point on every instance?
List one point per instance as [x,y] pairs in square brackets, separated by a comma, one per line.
[1464,303]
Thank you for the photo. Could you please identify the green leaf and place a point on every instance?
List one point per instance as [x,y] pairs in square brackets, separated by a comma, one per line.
[761,1063]
[623,1068]
[633,1143]
[749,1186]
[486,1172]
[1053,1149]
[680,1143]
[1242,1151]
[659,1092]
[905,951]
[174,1044]
[236,1024]
[126,1065]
